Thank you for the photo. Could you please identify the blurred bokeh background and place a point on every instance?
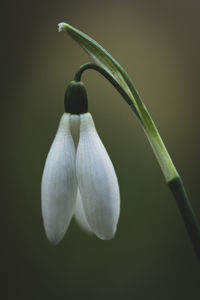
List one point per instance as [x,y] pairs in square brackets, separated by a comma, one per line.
[158,43]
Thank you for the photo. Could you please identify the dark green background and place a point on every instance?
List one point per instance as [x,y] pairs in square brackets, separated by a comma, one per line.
[158,43]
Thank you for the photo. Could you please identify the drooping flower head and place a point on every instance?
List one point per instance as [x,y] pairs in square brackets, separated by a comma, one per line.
[79,178]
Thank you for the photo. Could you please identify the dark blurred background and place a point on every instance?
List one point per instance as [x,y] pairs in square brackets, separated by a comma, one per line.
[158,43]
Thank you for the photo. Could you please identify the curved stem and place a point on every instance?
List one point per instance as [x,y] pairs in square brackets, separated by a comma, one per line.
[100,70]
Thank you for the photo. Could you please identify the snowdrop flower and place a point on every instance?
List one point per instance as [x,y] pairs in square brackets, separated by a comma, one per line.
[79,178]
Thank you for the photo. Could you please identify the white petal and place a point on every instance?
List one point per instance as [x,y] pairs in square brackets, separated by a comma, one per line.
[59,184]
[80,214]
[97,181]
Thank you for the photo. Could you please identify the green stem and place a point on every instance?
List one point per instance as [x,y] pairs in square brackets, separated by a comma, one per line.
[191,223]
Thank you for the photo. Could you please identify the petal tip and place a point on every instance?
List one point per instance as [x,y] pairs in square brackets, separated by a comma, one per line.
[106,237]
[53,237]
[108,234]
[54,241]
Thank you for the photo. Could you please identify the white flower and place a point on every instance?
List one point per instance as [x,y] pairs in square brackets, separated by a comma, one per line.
[79,180]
